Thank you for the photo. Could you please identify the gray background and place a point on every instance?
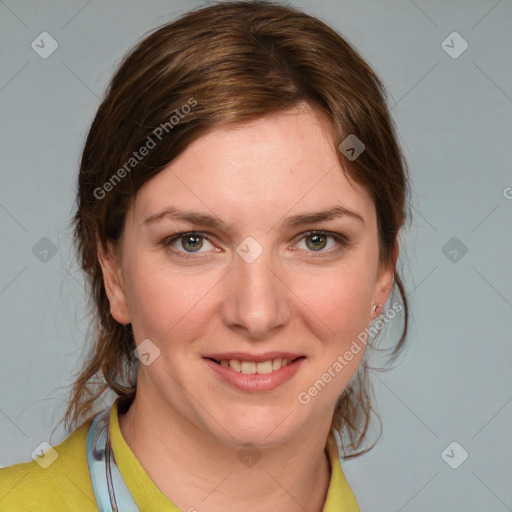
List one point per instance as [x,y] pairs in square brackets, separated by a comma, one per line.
[454,120]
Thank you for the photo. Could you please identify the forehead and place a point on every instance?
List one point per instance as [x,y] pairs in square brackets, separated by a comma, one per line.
[259,170]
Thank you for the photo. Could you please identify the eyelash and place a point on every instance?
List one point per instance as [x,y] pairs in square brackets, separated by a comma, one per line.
[341,240]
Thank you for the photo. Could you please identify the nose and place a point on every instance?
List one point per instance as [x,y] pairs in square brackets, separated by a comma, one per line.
[256,300]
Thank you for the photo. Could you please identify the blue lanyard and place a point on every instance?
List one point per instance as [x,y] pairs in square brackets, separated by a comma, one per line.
[103,469]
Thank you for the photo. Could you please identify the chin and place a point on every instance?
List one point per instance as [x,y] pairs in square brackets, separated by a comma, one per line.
[264,430]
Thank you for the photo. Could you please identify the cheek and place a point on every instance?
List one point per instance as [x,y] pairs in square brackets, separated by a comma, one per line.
[165,302]
[339,300]
[337,314]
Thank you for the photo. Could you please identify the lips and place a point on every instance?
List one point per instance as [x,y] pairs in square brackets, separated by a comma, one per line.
[252,367]
[256,358]
[250,364]
[255,372]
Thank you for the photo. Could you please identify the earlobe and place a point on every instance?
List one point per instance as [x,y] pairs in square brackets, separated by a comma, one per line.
[383,288]
[113,282]
[384,285]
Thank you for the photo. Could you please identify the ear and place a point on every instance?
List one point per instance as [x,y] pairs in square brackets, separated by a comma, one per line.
[113,281]
[384,283]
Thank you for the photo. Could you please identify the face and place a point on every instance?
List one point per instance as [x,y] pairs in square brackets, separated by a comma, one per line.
[225,266]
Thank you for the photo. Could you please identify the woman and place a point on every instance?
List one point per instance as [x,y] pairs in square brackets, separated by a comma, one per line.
[240,198]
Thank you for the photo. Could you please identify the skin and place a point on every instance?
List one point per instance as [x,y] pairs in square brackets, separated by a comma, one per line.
[185,420]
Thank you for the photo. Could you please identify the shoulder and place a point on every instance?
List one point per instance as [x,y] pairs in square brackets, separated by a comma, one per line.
[57,481]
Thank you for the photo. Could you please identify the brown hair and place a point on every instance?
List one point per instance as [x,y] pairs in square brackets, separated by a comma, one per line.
[226,63]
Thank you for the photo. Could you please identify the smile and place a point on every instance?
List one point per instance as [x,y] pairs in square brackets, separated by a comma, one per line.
[262,373]
[252,367]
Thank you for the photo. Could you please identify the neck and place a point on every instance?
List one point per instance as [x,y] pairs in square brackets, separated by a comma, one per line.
[293,476]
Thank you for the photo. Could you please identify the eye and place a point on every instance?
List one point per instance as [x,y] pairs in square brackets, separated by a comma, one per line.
[190,242]
[317,241]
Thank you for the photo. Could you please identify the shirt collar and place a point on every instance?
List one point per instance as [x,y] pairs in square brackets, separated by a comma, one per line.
[148,496]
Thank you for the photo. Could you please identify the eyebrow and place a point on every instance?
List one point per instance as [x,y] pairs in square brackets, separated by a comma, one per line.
[292,221]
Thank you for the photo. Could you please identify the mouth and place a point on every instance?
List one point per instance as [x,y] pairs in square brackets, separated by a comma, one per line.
[255,373]
[262,367]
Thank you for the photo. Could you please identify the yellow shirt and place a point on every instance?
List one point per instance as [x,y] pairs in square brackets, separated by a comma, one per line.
[65,486]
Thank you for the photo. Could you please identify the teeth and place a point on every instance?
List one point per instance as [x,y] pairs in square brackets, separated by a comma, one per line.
[264,367]
[235,365]
[250,367]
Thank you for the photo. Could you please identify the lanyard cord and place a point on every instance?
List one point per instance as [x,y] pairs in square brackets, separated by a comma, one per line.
[103,469]
[111,494]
